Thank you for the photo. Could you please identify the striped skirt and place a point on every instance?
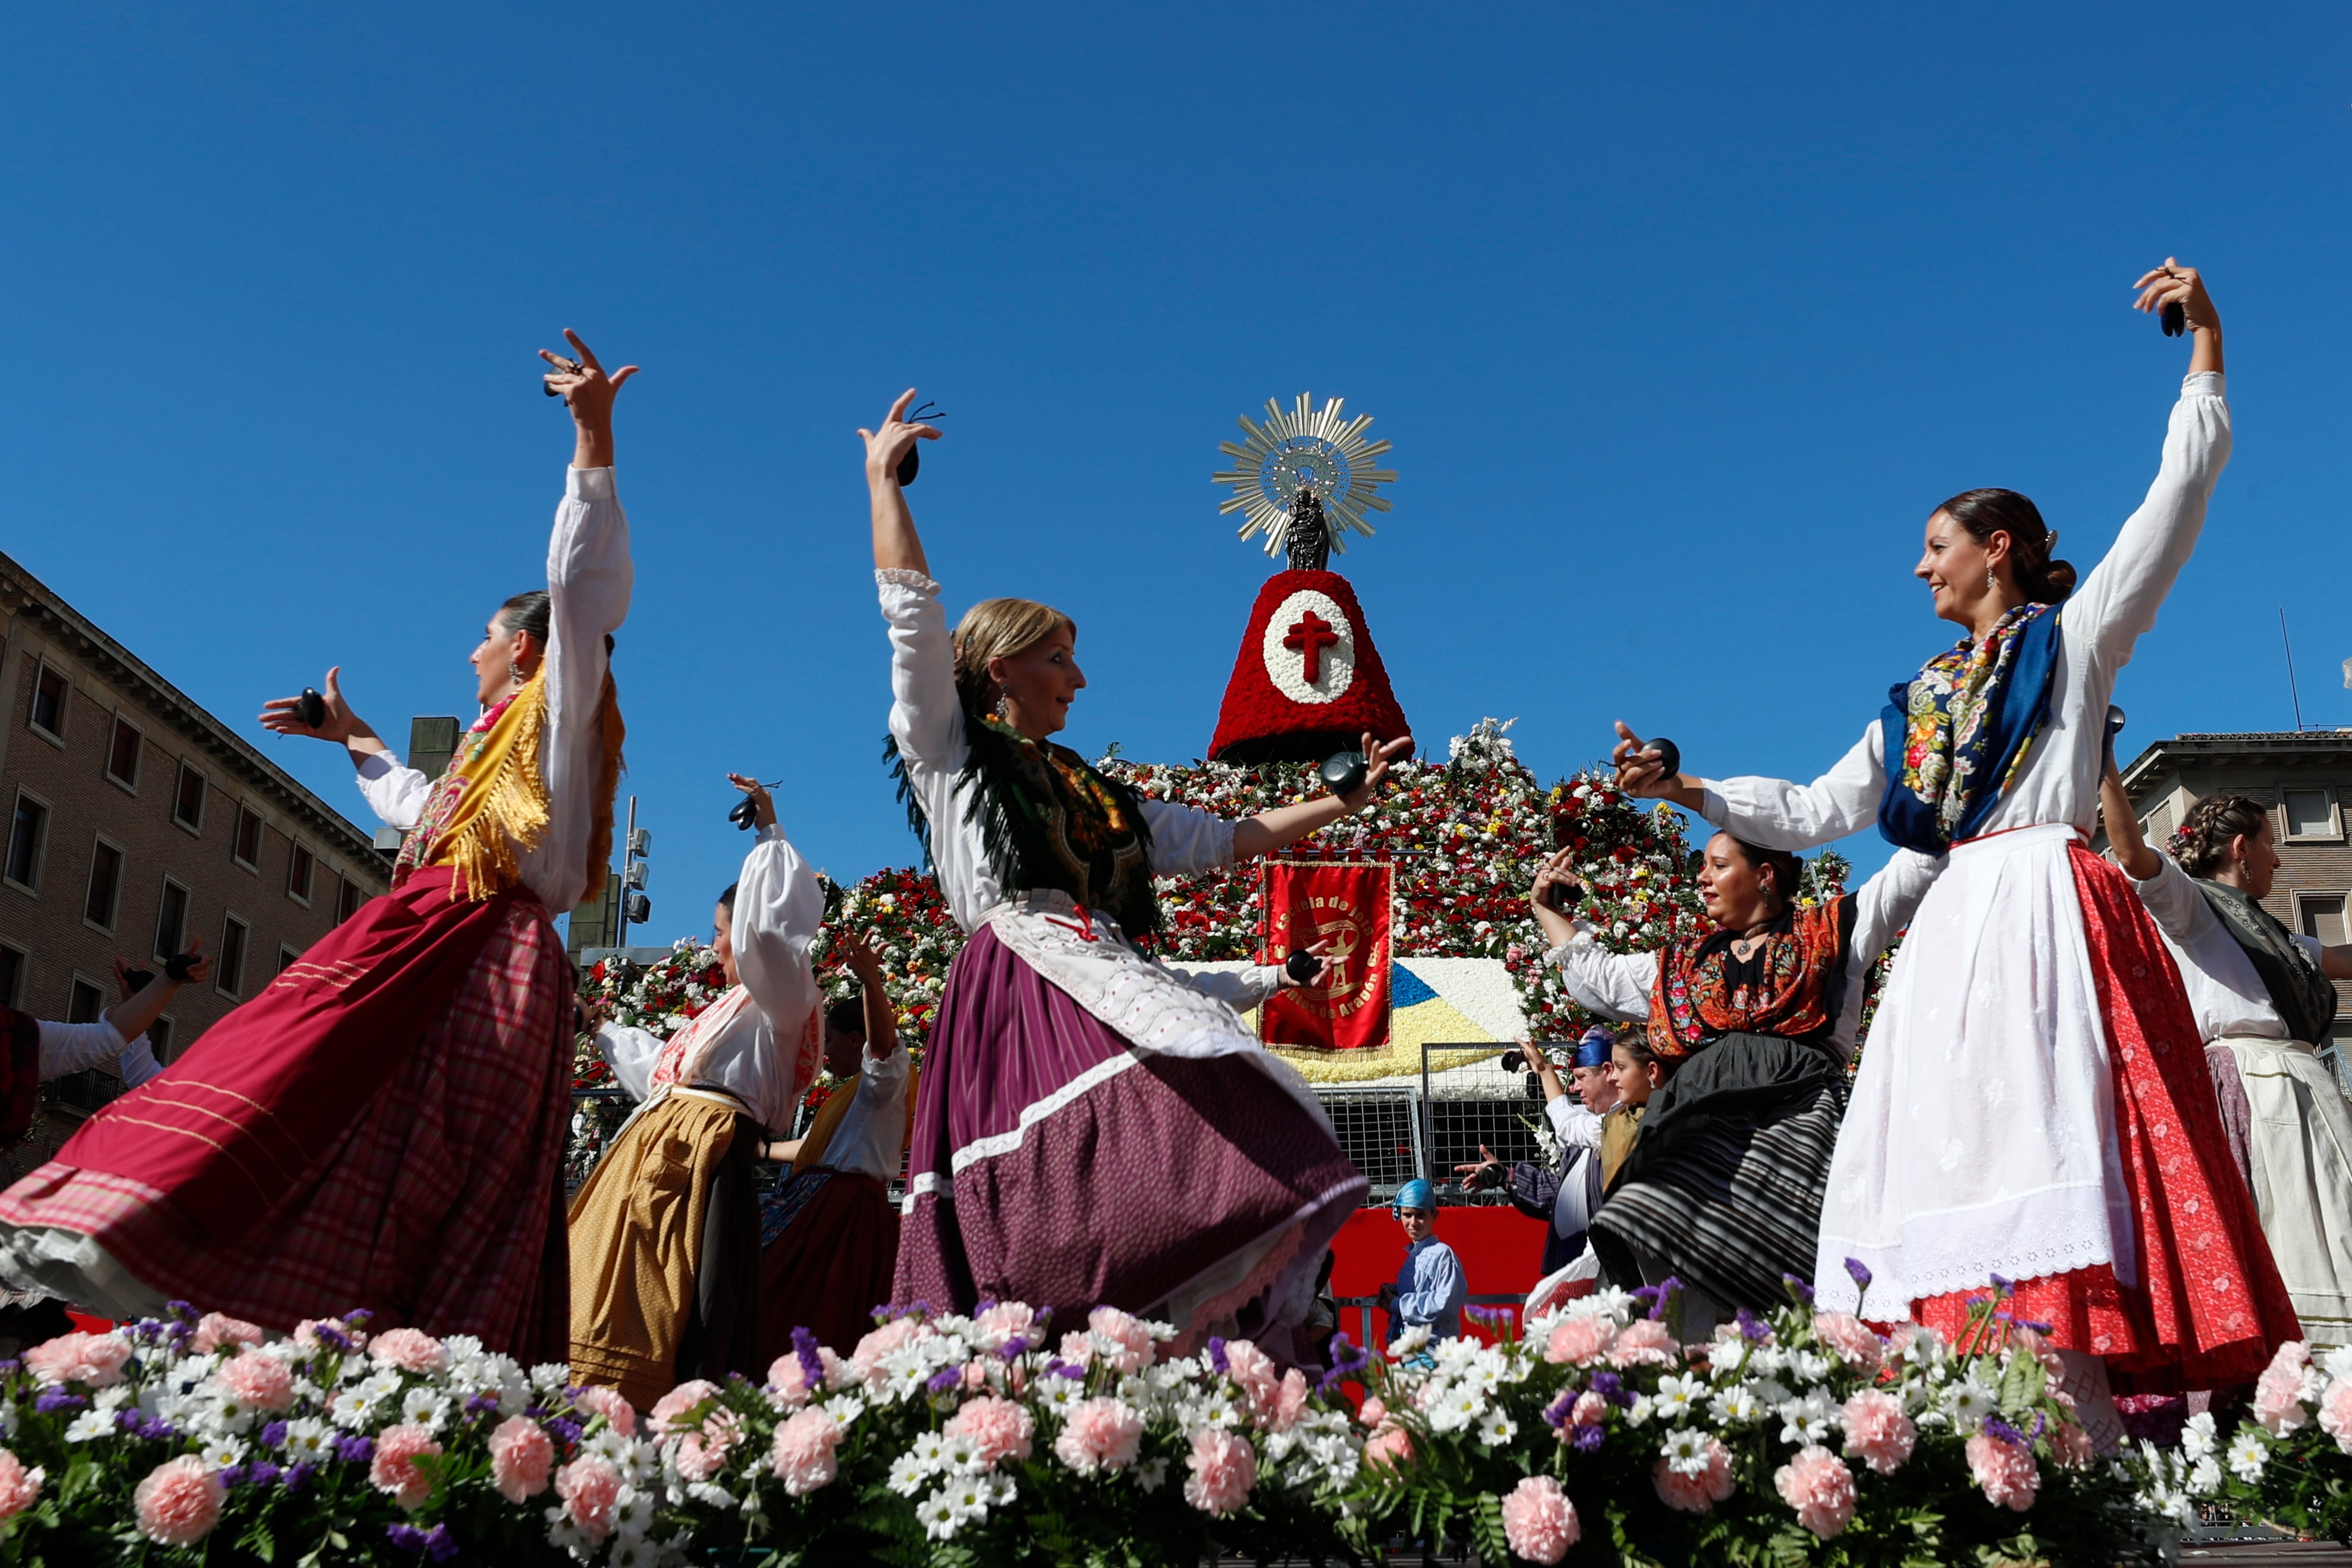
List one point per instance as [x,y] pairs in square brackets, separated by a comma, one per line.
[1723,1188]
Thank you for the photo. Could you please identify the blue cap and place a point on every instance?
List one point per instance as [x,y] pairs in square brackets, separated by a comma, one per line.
[1417,1194]
[1594,1050]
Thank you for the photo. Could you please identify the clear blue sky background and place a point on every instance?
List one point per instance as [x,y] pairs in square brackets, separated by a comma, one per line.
[1680,319]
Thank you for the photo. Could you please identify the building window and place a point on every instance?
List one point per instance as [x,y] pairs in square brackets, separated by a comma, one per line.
[2311,814]
[188,802]
[159,1038]
[29,836]
[11,976]
[347,899]
[299,867]
[172,920]
[105,886]
[123,754]
[228,968]
[285,956]
[85,1002]
[51,688]
[248,847]
[2321,915]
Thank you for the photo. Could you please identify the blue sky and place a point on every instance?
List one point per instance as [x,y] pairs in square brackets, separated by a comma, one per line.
[1680,319]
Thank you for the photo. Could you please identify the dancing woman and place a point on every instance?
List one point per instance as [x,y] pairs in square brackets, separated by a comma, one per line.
[2030,1107]
[666,1232]
[383,1126]
[2261,995]
[1093,1127]
[1755,1021]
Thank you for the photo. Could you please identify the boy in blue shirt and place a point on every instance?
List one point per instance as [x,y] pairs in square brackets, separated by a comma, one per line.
[1429,1290]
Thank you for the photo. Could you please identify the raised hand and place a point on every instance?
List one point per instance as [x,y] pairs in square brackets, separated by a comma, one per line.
[1322,974]
[2173,284]
[1554,871]
[280,715]
[851,950]
[1379,758]
[1641,772]
[887,447]
[588,392]
[763,808]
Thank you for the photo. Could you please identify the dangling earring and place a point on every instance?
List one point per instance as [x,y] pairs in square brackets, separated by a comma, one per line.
[1005,706]
[1991,584]
[514,672]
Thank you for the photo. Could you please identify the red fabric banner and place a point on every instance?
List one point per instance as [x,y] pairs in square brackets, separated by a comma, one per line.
[1346,903]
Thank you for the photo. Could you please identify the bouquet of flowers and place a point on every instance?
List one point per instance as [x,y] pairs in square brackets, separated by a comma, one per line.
[2290,1462]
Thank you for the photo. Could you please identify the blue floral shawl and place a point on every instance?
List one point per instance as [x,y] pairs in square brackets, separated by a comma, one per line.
[1957,734]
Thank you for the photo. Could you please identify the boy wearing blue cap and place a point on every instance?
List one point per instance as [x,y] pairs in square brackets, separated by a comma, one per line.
[1429,1290]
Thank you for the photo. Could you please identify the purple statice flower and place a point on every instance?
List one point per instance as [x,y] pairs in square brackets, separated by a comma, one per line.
[10,1364]
[262,1473]
[2037,1328]
[536,1411]
[918,1310]
[1612,1387]
[945,1379]
[358,1318]
[1217,1355]
[298,1476]
[55,1398]
[564,1430]
[1751,1327]
[1488,1315]
[231,1475]
[1556,1412]
[812,1365]
[980,1306]
[2006,1287]
[1589,1439]
[406,1537]
[184,1311]
[481,1403]
[355,1450]
[128,1421]
[333,1338]
[158,1430]
[439,1544]
[1057,1367]
[1800,1290]
[1996,1427]
[1015,1348]
[274,1434]
[1346,1362]
[1859,1272]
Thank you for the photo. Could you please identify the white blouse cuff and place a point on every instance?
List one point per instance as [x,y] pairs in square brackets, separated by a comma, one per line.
[905,577]
[2202,383]
[588,483]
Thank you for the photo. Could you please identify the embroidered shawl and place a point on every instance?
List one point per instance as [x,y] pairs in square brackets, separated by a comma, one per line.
[1047,819]
[490,807]
[1957,734]
[2305,998]
[1791,985]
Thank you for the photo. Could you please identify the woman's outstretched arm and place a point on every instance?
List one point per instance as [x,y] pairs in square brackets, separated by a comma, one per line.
[896,546]
[1270,831]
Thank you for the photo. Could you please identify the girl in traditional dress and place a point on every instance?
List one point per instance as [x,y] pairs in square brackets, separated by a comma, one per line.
[2262,994]
[1755,1022]
[1094,1128]
[666,1231]
[383,1126]
[2032,1106]
[829,1237]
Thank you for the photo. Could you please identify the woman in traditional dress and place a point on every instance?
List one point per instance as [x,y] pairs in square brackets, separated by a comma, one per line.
[666,1231]
[1756,1021]
[2031,1107]
[829,1237]
[383,1126]
[2262,994]
[1094,1128]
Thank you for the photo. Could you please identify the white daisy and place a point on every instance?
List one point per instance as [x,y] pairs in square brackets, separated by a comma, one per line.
[1151,1475]
[908,1474]
[938,1513]
[425,1408]
[1685,1452]
[307,1438]
[1495,1429]
[931,1448]
[2205,1476]
[2197,1438]
[221,1453]
[89,1425]
[2247,1455]
[961,1454]
[1808,1421]
[1736,1405]
[1968,1401]
[1678,1395]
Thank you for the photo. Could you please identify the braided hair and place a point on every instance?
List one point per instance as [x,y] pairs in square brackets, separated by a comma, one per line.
[2202,844]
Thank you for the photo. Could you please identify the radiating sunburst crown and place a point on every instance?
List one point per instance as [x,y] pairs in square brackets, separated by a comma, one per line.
[1305,448]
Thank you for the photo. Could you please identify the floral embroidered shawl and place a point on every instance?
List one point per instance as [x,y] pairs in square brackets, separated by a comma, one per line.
[1791,985]
[1957,734]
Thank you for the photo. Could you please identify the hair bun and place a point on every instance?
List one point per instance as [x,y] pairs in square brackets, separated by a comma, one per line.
[2059,579]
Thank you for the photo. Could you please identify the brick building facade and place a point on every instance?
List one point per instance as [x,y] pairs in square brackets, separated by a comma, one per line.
[2305,779]
[137,822]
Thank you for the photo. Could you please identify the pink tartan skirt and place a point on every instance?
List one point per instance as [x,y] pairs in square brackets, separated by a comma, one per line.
[438,1204]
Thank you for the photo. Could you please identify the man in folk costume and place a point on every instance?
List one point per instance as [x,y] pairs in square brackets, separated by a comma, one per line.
[1564,1194]
[383,1126]
[829,1239]
[665,1234]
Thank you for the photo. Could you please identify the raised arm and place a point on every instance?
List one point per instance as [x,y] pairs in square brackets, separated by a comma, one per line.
[1773,812]
[2116,814]
[873,990]
[777,908]
[2119,600]
[1270,831]
[896,546]
[1612,984]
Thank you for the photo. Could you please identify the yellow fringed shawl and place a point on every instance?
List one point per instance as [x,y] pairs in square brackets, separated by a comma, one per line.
[818,1141]
[489,808]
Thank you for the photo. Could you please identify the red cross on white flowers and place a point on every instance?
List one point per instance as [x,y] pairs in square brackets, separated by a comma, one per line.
[1311,636]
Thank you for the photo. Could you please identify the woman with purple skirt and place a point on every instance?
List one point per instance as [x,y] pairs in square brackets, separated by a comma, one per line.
[1094,1128]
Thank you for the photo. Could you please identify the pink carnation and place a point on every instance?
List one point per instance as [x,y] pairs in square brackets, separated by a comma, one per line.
[395,1469]
[256,1381]
[20,1488]
[1289,1402]
[1877,1432]
[591,1491]
[702,1452]
[1254,1370]
[803,1457]
[1849,1337]
[866,1360]
[1006,1321]
[2005,1470]
[1371,1412]
[1590,1410]
[2278,1393]
[998,1428]
[790,1380]
[670,1410]
[2335,1413]
[410,1350]
[1538,1521]
[2032,1340]
[1100,1435]
[618,1412]
[1579,1342]
[179,1502]
[2070,1446]
[93,1360]
[1817,1484]
[1389,1446]
[1696,1493]
[1121,1339]
[214,1330]
[1645,1342]
[521,1457]
[1223,1467]
[1077,1349]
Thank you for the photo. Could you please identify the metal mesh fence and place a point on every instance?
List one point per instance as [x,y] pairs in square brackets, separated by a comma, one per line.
[1459,1127]
[1379,1130]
